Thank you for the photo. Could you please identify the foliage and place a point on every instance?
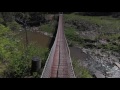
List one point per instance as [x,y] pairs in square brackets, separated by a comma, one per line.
[106,28]
[8,16]
[47,28]
[1,20]
[31,18]
[13,25]
[102,23]
[20,65]
[72,36]
[80,71]
[15,59]
[7,46]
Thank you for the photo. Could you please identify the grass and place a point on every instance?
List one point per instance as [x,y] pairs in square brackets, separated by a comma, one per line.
[47,28]
[108,29]
[80,71]
[105,23]
[72,36]
[19,64]
[109,36]
[2,68]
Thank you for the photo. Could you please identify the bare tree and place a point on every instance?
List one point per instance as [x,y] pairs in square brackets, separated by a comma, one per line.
[23,18]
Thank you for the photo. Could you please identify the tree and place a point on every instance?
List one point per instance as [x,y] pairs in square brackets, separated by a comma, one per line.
[23,18]
[8,16]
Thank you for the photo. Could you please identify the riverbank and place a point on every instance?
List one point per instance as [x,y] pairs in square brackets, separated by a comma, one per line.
[15,51]
[97,61]
[97,41]
[47,34]
[104,62]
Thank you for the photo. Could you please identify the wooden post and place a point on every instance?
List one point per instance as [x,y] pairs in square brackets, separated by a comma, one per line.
[36,65]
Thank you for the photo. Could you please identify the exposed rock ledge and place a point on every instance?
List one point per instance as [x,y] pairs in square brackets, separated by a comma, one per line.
[102,61]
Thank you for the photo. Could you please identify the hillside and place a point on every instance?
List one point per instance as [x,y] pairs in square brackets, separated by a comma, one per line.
[97,36]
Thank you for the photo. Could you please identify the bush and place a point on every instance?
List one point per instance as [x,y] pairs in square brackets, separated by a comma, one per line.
[13,25]
[7,43]
[15,58]
[7,46]
[20,65]
[47,28]
[1,20]
[119,38]
[80,71]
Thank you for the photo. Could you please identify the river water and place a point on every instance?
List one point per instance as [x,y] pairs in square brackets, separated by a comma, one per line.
[36,37]
[44,41]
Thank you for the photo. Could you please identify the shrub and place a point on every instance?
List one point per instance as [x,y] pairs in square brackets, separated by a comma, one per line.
[47,28]
[1,20]
[13,25]
[20,65]
[80,71]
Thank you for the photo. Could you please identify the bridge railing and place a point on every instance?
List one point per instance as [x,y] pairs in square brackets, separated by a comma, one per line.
[72,75]
[47,68]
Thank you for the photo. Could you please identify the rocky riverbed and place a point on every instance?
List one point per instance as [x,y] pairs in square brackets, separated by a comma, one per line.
[102,62]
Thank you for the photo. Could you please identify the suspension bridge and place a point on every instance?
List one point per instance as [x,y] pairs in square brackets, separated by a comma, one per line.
[59,63]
